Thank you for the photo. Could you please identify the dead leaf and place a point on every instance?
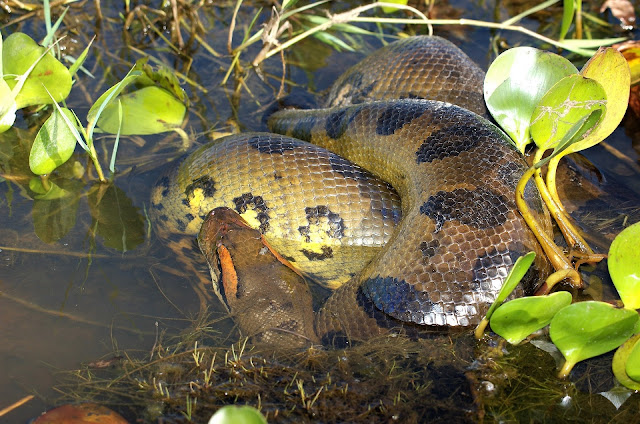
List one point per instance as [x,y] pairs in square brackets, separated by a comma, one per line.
[631,51]
[622,10]
[634,99]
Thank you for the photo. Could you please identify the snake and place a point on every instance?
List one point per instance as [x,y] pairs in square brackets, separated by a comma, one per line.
[397,193]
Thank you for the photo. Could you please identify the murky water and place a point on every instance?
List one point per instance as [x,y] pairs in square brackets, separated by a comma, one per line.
[73,289]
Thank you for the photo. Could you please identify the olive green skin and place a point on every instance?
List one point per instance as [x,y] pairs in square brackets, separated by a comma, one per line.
[454,172]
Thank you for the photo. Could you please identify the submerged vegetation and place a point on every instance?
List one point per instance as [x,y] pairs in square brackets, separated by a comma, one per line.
[448,378]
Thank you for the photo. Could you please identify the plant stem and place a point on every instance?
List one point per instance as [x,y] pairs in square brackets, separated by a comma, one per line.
[566,369]
[556,256]
[479,332]
[94,158]
[557,210]
[44,179]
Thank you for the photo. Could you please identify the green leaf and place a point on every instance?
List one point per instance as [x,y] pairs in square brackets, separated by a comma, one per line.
[633,363]
[565,104]
[515,83]
[609,67]
[150,110]
[623,363]
[80,60]
[573,135]
[624,265]
[19,53]
[518,271]
[162,76]
[8,107]
[391,9]
[232,414]
[54,144]
[106,98]
[568,10]
[587,329]
[518,318]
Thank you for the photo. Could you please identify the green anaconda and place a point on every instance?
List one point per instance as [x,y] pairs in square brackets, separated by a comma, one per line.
[452,231]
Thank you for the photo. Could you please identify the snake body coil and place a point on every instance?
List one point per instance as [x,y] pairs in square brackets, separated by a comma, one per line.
[455,173]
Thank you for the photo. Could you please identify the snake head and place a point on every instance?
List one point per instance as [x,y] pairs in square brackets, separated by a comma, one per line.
[217,226]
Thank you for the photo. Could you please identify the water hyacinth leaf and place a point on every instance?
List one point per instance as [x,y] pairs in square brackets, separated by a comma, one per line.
[609,67]
[232,414]
[621,361]
[624,265]
[106,98]
[150,110]
[54,144]
[19,53]
[8,107]
[587,329]
[515,83]
[162,76]
[573,135]
[567,102]
[518,318]
[633,363]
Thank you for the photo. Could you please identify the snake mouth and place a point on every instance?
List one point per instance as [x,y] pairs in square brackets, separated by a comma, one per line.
[216,226]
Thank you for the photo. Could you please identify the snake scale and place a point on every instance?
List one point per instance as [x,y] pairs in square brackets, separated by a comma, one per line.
[409,115]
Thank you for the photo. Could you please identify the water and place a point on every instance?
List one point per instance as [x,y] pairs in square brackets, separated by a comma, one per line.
[73,292]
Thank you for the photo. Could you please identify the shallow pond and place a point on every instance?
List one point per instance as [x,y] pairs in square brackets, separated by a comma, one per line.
[86,285]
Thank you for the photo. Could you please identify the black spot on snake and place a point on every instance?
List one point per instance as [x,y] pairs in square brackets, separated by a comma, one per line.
[163,218]
[158,206]
[481,208]
[190,217]
[491,268]
[271,145]
[256,203]
[165,183]
[205,183]
[182,227]
[186,202]
[450,142]
[327,252]
[511,173]
[346,168]
[400,299]
[338,122]
[303,128]
[429,248]
[319,215]
[392,119]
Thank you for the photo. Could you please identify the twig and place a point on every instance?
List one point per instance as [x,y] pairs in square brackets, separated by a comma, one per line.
[15,405]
